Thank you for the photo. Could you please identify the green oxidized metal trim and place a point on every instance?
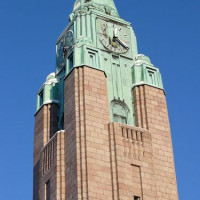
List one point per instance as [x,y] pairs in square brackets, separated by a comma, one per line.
[49,92]
[82,44]
[144,72]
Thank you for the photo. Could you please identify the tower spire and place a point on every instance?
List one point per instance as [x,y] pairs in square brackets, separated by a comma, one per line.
[107,6]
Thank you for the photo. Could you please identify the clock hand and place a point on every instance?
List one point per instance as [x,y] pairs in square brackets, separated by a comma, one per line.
[121,42]
[115,32]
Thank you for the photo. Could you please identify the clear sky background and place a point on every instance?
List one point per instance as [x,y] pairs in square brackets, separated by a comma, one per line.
[167,31]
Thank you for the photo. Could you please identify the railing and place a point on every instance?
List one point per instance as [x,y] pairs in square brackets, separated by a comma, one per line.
[133,134]
[134,141]
[48,153]
[47,156]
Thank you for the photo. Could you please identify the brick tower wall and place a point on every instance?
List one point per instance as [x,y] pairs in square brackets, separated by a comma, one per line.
[112,160]
[45,127]
[132,164]
[52,167]
[98,159]
[152,114]
[88,167]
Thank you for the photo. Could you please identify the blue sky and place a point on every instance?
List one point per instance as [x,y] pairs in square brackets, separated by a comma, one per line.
[167,31]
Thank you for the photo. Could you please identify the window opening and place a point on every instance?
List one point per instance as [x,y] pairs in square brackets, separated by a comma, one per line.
[62,122]
[71,62]
[119,111]
[48,190]
[120,119]
[92,60]
[41,95]
[152,77]
[136,198]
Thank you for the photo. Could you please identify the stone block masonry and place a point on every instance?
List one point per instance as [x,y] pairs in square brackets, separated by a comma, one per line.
[151,113]
[97,159]
[45,128]
[88,170]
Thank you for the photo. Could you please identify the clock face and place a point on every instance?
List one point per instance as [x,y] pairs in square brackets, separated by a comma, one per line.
[64,45]
[114,37]
[60,55]
[69,40]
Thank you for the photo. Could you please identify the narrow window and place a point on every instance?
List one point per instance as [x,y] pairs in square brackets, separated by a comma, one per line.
[136,198]
[41,95]
[62,122]
[48,190]
[151,77]
[71,62]
[92,59]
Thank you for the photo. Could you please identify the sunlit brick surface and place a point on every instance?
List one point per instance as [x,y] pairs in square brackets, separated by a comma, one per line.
[94,158]
[151,113]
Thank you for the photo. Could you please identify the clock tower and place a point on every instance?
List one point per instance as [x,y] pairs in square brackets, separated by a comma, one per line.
[101,125]
[96,37]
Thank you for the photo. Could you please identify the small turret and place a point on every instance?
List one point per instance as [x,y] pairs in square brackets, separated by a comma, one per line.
[48,93]
[145,73]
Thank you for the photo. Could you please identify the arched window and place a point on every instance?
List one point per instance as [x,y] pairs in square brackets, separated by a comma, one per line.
[120,111]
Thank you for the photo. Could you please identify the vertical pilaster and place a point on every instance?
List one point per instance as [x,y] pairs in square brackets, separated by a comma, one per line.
[113,161]
[83,24]
[140,108]
[93,27]
[78,26]
[88,17]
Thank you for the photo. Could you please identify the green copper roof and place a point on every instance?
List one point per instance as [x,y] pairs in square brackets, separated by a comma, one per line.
[107,6]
